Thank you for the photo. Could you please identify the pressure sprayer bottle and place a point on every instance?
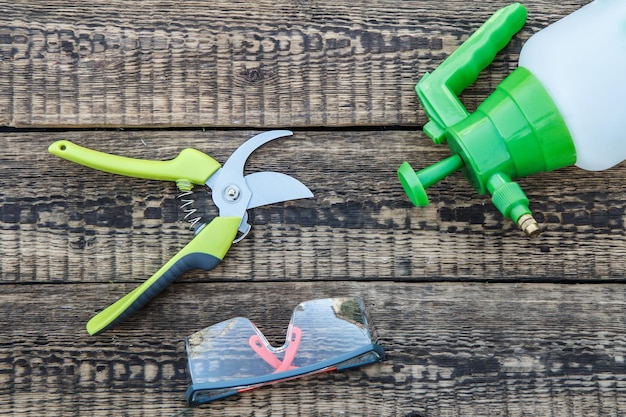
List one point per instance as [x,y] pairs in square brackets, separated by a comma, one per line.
[563,105]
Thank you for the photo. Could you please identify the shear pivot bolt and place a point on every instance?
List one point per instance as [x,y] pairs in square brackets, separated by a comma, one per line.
[232,193]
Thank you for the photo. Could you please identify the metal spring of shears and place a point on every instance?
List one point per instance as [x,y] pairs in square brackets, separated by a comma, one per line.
[187,206]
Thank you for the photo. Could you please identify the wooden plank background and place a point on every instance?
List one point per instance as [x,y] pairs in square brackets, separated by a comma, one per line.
[235,63]
[476,319]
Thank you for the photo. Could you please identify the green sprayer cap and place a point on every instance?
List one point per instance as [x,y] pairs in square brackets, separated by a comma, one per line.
[516,131]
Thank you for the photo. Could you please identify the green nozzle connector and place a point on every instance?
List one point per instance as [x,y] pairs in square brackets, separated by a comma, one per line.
[517,131]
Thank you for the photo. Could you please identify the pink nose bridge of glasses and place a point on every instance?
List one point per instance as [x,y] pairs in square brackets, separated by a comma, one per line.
[268,356]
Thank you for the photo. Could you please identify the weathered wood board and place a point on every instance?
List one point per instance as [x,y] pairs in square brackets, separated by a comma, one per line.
[453,349]
[476,319]
[266,63]
[63,222]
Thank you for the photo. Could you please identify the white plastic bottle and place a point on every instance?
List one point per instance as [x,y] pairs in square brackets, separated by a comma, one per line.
[581,62]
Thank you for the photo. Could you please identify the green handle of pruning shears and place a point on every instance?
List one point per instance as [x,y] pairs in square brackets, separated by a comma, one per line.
[205,251]
[190,164]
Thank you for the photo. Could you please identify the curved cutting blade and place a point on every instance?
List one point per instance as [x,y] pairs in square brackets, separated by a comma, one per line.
[237,160]
[274,187]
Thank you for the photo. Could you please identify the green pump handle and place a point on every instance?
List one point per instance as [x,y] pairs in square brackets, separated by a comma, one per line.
[438,91]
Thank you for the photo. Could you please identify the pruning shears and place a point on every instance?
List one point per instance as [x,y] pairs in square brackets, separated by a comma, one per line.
[232,192]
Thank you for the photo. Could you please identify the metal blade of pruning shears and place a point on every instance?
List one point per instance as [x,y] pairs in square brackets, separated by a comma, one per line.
[274,187]
[233,193]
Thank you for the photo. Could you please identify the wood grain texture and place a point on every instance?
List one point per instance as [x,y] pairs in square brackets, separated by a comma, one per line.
[453,349]
[62,222]
[476,319]
[242,64]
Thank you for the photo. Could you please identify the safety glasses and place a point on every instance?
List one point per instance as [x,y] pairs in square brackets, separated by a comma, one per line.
[323,335]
